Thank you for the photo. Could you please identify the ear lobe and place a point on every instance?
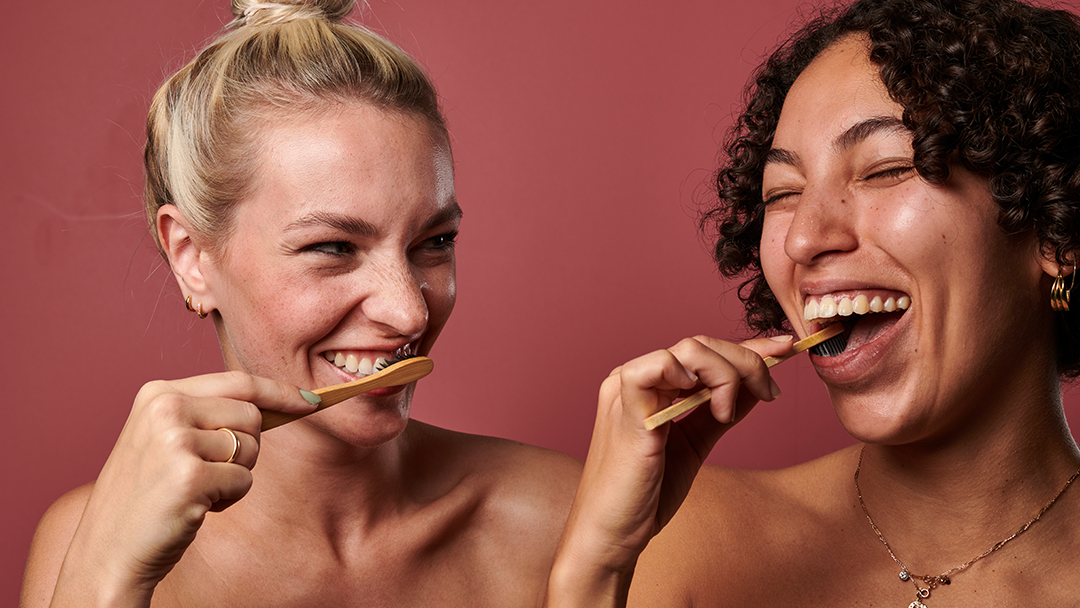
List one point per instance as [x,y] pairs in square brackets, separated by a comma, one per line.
[186,256]
[1050,265]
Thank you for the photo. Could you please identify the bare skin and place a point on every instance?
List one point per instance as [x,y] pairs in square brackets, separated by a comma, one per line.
[956,400]
[445,544]
[345,249]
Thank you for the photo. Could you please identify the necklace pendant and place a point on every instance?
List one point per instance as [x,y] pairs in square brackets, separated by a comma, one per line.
[917,604]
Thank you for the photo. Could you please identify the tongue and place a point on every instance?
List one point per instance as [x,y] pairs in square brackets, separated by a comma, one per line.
[869,327]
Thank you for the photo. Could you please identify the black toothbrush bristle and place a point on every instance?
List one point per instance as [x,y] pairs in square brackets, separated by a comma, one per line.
[388,362]
[831,347]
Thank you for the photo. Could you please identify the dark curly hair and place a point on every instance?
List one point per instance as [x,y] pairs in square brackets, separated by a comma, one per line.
[991,84]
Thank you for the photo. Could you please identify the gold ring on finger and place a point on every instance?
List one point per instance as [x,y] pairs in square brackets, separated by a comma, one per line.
[235,445]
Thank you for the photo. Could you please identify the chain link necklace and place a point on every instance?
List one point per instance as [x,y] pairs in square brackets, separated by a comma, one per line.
[932,582]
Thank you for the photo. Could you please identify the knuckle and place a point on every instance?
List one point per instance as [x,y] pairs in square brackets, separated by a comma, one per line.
[250,417]
[701,339]
[189,475]
[611,386]
[167,406]
[178,439]
[151,389]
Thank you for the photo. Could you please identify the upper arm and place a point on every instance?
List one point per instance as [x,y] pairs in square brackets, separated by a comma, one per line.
[50,545]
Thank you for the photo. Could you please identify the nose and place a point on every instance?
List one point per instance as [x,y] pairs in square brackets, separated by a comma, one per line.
[823,223]
[395,298]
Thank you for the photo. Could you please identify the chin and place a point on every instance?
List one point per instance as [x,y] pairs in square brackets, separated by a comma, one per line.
[884,420]
[361,424]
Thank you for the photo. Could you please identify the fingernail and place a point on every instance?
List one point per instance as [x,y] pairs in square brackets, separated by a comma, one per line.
[774,388]
[781,338]
[310,397]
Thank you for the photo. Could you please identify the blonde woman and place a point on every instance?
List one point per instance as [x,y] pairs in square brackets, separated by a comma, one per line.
[300,185]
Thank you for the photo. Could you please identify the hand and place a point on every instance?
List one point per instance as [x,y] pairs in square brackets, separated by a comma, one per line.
[166,471]
[634,480]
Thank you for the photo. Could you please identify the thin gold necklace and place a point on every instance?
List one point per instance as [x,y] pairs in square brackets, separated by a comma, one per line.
[932,582]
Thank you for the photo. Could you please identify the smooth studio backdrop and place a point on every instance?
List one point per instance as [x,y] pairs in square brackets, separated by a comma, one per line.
[584,135]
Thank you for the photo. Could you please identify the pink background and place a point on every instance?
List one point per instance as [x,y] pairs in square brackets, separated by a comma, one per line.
[584,136]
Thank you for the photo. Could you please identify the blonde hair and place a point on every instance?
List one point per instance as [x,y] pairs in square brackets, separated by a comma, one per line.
[275,57]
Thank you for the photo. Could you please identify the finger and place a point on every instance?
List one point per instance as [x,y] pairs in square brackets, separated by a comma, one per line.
[265,393]
[776,346]
[650,382]
[229,446]
[726,366]
[226,485]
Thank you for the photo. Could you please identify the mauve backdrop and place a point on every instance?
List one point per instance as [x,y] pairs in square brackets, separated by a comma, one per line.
[584,135]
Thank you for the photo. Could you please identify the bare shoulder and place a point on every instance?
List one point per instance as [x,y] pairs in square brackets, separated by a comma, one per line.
[519,479]
[512,501]
[50,544]
[734,521]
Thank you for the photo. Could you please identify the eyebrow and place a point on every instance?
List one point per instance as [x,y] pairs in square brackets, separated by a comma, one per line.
[451,213]
[854,135]
[863,130]
[337,221]
[358,227]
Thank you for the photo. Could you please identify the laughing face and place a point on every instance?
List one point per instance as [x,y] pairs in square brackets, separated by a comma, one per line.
[944,310]
[342,255]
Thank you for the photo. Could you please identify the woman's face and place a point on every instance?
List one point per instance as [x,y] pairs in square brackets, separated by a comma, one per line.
[850,227]
[343,254]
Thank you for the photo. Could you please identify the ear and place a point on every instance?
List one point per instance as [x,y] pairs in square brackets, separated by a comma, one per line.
[1050,265]
[187,258]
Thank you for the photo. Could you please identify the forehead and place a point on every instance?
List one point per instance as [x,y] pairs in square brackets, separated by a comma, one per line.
[840,88]
[352,151]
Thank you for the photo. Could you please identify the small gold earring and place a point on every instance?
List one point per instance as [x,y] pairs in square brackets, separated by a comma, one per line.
[199,311]
[1059,296]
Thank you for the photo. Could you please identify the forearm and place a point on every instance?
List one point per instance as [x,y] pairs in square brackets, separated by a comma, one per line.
[589,574]
[92,576]
[575,585]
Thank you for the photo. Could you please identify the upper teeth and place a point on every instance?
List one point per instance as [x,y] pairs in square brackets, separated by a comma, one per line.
[828,307]
[354,365]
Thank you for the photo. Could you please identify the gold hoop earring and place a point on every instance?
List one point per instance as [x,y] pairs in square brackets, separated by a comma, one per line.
[1059,296]
[198,311]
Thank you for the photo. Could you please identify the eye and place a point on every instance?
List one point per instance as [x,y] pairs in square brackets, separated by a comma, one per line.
[775,196]
[443,241]
[895,173]
[333,248]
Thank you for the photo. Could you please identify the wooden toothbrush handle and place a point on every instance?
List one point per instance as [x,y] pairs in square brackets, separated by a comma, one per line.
[402,372]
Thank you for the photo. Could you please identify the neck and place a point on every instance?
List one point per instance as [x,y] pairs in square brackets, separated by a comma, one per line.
[972,490]
[314,480]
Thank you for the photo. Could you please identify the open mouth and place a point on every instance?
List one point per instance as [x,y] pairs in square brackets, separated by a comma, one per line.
[864,316]
[365,363]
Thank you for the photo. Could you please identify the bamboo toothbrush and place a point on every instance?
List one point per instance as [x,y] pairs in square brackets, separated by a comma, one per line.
[397,373]
[831,340]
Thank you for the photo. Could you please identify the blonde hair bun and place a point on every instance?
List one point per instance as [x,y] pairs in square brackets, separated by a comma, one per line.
[257,12]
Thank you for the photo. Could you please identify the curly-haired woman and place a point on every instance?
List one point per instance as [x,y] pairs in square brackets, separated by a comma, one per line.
[910,168]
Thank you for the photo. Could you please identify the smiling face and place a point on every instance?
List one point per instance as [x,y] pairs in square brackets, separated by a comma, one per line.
[343,253]
[851,229]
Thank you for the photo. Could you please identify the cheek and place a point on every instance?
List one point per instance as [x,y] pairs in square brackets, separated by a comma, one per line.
[441,294]
[775,262]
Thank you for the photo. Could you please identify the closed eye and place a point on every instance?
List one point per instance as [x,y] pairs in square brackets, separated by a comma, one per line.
[891,173]
[778,196]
